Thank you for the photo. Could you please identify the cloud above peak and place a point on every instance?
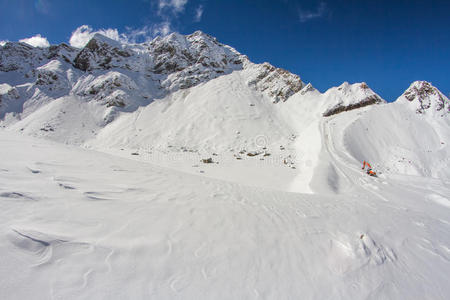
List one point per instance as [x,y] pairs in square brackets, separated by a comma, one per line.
[198,13]
[83,34]
[36,41]
[167,13]
[146,33]
[307,15]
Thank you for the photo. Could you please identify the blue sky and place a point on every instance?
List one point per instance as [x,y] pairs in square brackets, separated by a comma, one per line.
[387,44]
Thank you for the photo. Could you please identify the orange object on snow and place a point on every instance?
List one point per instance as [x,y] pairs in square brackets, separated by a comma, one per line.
[369,169]
[366,164]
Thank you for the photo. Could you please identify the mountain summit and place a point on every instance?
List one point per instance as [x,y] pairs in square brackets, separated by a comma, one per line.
[425,98]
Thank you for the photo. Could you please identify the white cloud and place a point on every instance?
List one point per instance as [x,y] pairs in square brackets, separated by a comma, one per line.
[83,34]
[163,29]
[138,35]
[2,43]
[168,10]
[146,33]
[176,6]
[36,41]
[306,15]
[198,13]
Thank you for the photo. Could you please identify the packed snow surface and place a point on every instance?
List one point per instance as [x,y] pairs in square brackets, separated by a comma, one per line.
[178,169]
[81,224]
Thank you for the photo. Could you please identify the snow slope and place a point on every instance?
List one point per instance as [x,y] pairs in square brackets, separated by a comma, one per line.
[90,225]
[190,172]
[403,140]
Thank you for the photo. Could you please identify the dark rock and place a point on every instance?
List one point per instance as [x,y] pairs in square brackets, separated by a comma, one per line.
[366,102]
[207,161]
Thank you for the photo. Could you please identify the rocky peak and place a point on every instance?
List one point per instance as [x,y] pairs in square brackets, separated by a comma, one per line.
[425,97]
[101,53]
[197,51]
[66,52]
[350,96]
[13,56]
[308,89]
[16,56]
[201,34]
[277,83]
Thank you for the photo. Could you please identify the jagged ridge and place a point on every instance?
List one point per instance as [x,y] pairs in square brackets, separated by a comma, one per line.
[162,66]
[426,97]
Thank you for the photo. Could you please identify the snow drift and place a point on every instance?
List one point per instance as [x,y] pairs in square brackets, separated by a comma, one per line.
[249,135]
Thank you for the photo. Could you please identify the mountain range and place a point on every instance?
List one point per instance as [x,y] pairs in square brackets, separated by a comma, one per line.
[194,94]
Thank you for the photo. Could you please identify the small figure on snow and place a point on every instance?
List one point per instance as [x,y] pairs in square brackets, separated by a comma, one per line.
[369,169]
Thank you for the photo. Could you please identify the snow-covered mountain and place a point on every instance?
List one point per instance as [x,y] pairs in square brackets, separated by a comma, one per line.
[275,206]
[426,99]
[192,94]
[124,75]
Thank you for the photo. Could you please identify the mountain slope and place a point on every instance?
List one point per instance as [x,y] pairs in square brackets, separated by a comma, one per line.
[86,221]
[191,95]
[275,204]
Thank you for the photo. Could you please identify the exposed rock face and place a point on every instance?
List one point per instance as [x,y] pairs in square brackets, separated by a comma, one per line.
[181,62]
[7,92]
[113,72]
[23,57]
[112,88]
[126,76]
[277,83]
[63,51]
[10,53]
[8,95]
[427,98]
[193,52]
[364,102]
[307,89]
[347,97]
[100,53]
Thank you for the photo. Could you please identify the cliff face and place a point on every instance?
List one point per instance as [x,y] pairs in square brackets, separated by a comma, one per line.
[426,99]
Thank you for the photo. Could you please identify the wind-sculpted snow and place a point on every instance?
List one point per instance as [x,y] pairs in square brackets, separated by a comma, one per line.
[80,224]
[214,178]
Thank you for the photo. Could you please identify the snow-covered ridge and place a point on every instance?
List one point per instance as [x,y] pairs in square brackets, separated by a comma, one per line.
[22,57]
[162,66]
[276,82]
[100,53]
[351,96]
[424,97]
